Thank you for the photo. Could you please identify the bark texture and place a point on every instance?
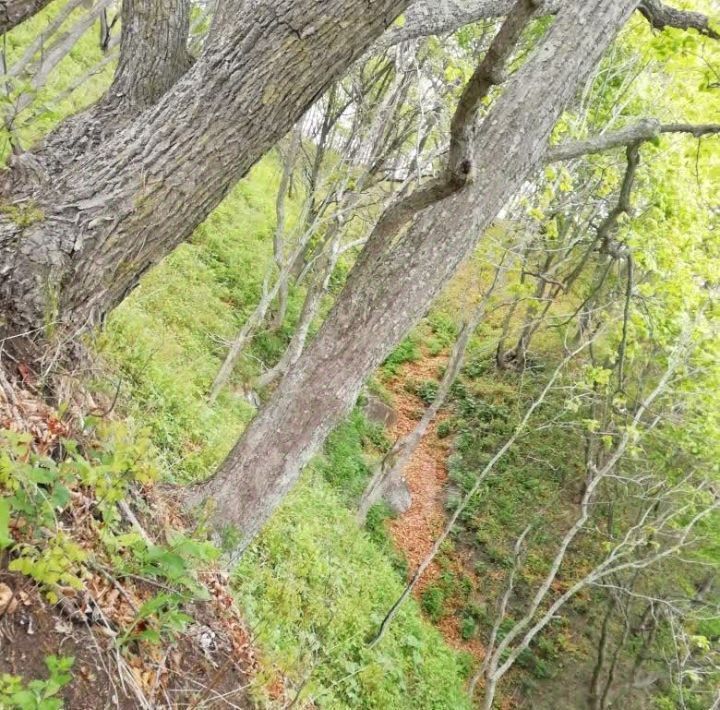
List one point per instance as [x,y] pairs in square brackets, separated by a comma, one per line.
[393,284]
[439,17]
[75,249]
[153,51]
[13,12]
[153,56]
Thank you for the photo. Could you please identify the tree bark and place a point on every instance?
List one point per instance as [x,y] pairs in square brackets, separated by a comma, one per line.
[153,56]
[392,285]
[13,12]
[74,249]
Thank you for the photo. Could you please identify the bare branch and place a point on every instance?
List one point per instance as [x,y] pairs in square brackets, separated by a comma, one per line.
[430,17]
[661,16]
[645,130]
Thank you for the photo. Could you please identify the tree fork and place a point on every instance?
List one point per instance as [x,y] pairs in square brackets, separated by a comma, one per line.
[390,288]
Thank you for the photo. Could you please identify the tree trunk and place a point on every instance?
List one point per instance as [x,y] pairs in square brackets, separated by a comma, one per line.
[153,56]
[75,248]
[289,161]
[13,12]
[392,285]
[153,51]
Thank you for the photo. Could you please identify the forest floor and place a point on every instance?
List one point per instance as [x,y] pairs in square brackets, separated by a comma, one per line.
[210,661]
[415,532]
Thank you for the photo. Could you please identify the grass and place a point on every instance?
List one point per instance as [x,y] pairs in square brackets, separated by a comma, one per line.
[315,585]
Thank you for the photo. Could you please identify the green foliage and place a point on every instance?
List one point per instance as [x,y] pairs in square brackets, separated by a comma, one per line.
[174,562]
[38,489]
[425,390]
[468,628]
[38,492]
[316,589]
[407,351]
[158,619]
[443,332]
[347,462]
[15,694]
[23,215]
[169,349]
[60,95]
[57,562]
[445,428]
[378,533]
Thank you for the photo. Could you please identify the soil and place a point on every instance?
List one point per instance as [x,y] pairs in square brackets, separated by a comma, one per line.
[202,669]
[427,477]
[209,664]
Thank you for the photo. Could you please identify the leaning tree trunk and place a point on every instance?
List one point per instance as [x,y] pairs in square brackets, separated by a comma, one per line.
[75,248]
[393,285]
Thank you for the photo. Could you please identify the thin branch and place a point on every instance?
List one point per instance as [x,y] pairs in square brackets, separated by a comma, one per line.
[647,129]
[661,16]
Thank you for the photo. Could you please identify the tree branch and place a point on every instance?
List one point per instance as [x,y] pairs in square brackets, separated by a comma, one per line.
[430,17]
[13,12]
[645,130]
[661,16]
[490,72]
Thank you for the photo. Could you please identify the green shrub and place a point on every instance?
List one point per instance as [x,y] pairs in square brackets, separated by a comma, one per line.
[468,627]
[433,602]
[427,391]
[445,428]
[407,351]
[15,694]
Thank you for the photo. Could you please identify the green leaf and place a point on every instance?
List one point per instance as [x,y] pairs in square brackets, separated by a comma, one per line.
[5,537]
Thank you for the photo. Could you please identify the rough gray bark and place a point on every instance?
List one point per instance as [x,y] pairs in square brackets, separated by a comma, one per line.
[153,56]
[645,130]
[661,16]
[73,250]
[153,51]
[439,17]
[393,283]
[13,12]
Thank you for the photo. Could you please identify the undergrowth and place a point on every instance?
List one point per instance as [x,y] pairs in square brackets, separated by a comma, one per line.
[314,586]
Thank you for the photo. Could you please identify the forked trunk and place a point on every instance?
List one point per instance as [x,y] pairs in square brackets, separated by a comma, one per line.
[393,285]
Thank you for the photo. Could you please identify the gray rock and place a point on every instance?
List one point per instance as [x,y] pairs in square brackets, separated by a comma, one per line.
[378,412]
[398,496]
